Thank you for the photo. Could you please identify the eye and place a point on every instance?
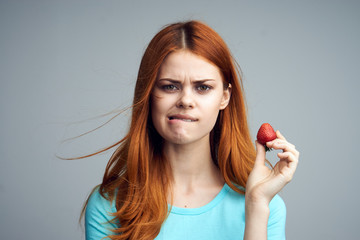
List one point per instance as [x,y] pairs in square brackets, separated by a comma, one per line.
[203,88]
[169,87]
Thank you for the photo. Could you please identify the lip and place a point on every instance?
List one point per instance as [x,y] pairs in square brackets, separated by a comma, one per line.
[182,117]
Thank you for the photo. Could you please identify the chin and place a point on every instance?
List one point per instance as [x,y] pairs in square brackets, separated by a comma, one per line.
[184,140]
[178,140]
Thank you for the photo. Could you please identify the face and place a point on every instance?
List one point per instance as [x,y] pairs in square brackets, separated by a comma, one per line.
[187,97]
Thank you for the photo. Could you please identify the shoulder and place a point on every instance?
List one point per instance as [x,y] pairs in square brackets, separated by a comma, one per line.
[277,218]
[98,216]
[277,205]
[277,208]
[97,202]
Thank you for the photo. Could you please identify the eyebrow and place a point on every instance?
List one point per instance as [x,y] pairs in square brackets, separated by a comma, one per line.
[178,81]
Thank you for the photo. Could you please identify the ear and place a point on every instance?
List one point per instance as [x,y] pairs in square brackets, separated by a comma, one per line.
[226,97]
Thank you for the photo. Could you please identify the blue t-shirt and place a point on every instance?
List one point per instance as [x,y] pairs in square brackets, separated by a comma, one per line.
[221,219]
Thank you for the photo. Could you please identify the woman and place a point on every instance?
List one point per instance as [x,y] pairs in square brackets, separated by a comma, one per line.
[187,169]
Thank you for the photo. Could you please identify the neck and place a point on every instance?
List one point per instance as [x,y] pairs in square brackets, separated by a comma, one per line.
[192,164]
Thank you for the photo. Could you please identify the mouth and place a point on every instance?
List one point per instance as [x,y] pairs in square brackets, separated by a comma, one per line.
[185,118]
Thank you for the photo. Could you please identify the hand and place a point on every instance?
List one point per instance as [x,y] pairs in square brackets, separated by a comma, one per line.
[264,183]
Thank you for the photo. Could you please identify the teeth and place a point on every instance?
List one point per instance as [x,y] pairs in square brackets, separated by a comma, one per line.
[185,120]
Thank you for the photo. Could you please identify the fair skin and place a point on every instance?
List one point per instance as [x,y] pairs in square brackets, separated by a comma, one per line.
[263,183]
[186,100]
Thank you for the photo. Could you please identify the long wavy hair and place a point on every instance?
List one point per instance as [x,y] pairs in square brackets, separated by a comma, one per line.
[138,177]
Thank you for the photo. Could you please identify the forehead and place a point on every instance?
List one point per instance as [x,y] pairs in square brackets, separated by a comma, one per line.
[185,64]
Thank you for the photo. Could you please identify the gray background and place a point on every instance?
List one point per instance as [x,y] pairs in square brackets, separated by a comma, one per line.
[63,64]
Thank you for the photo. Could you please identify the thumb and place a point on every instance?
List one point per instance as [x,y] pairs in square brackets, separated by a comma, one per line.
[260,154]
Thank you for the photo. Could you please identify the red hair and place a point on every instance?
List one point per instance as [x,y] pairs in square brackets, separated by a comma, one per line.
[138,177]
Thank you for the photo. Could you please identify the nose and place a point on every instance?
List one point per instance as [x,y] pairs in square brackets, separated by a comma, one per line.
[186,99]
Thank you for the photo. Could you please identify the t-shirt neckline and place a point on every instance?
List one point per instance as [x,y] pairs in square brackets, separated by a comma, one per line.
[195,211]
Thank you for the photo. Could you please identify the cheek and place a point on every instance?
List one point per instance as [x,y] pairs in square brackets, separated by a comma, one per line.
[211,109]
[212,103]
[157,105]
[162,103]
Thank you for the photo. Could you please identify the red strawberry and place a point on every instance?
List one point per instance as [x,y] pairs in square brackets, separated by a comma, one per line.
[266,134]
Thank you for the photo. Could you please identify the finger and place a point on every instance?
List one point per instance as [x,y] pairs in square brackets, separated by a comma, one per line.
[280,142]
[286,175]
[260,154]
[290,158]
[289,146]
[292,163]
[279,135]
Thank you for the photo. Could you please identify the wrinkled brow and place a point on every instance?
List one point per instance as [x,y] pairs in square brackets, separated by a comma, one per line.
[178,81]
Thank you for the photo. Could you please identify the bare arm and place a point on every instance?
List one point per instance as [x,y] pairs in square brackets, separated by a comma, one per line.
[264,183]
